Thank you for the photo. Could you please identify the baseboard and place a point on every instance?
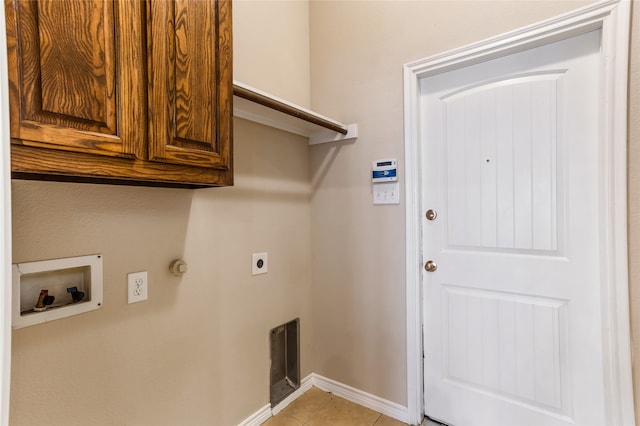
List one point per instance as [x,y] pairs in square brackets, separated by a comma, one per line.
[388,408]
[257,418]
[266,412]
[305,385]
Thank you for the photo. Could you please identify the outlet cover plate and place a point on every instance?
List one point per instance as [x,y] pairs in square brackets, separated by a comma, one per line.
[137,287]
[259,263]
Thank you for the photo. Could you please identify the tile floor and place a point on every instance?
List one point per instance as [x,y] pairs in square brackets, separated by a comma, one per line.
[319,408]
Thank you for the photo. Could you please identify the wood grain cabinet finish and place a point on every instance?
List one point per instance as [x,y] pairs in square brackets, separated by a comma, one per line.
[121,91]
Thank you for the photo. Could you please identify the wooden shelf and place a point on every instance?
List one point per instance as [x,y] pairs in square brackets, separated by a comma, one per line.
[255,105]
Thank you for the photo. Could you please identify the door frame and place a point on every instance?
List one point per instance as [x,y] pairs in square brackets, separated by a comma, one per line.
[5,232]
[612,18]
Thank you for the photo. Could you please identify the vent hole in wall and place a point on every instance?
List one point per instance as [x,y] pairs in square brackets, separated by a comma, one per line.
[285,360]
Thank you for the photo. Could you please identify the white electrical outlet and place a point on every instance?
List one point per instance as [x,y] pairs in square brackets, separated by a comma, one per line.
[138,287]
[259,263]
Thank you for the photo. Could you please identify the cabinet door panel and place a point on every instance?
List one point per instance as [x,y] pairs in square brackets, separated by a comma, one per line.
[191,85]
[68,75]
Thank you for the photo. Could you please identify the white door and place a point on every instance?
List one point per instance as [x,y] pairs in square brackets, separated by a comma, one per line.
[513,322]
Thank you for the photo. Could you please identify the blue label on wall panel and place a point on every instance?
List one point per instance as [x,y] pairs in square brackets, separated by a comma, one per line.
[378,174]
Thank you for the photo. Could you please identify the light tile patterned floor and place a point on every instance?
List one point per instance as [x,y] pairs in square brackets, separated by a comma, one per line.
[318,408]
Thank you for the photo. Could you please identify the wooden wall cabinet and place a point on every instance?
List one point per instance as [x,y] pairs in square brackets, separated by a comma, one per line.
[134,92]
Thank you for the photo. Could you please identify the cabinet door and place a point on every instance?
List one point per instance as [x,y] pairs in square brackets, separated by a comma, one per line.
[77,72]
[191,85]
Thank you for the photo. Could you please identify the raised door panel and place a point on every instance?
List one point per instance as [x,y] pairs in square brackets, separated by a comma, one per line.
[502,142]
[77,75]
[190,100]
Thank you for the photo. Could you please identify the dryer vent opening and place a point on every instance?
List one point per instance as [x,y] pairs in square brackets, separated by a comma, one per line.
[285,360]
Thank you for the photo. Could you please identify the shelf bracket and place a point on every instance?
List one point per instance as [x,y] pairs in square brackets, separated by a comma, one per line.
[324,136]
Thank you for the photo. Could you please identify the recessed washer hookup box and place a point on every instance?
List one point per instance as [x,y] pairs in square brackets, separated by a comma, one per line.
[48,290]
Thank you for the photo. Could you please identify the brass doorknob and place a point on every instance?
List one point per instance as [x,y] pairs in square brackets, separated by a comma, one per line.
[430,266]
[431,214]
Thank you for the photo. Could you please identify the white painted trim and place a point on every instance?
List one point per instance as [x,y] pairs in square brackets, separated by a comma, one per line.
[612,16]
[5,231]
[579,21]
[388,408]
[617,321]
[257,418]
[305,385]
[413,252]
[266,412]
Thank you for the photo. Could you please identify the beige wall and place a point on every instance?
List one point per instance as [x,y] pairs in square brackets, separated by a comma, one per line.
[273,52]
[357,52]
[195,353]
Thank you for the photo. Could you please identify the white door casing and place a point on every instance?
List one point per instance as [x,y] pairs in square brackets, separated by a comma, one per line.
[610,21]
[5,232]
